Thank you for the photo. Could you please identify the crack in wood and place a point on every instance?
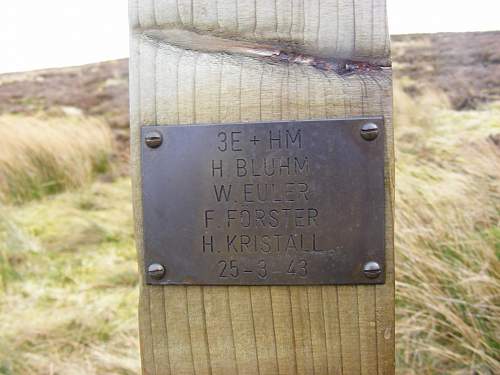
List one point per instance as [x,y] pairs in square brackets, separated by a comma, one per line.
[272,53]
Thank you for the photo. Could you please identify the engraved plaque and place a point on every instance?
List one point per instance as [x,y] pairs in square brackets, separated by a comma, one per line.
[290,203]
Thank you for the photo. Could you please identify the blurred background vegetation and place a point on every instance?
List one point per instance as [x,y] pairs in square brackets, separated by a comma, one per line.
[68,273]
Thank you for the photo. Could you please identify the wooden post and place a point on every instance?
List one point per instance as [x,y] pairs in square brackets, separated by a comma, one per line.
[209,61]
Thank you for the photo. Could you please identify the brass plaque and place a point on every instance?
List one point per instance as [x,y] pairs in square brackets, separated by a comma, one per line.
[277,203]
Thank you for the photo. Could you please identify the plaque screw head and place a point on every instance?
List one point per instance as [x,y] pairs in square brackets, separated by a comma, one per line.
[153,139]
[372,270]
[156,271]
[369,131]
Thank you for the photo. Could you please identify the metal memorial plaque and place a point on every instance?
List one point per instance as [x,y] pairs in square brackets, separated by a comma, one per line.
[277,203]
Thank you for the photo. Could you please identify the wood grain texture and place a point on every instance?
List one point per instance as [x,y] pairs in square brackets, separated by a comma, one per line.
[350,29]
[262,330]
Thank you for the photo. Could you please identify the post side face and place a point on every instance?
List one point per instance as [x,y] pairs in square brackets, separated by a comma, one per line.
[257,329]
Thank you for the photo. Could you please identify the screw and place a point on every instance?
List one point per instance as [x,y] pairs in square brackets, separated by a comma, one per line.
[369,131]
[372,270]
[153,139]
[156,271]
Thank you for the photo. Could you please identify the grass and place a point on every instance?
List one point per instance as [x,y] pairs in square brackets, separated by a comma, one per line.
[40,156]
[68,304]
[68,278]
[447,239]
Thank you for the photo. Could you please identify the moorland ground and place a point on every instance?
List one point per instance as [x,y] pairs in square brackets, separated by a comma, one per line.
[68,273]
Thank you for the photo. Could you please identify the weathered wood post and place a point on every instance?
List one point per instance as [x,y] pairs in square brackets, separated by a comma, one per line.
[264,248]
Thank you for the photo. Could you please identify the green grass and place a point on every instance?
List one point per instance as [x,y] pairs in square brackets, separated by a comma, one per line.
[69,279]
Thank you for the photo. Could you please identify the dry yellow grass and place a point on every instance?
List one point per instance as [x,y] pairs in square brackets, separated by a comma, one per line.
[40,156]
[447,237]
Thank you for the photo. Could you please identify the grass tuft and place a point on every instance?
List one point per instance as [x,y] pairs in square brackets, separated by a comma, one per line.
[46,156]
